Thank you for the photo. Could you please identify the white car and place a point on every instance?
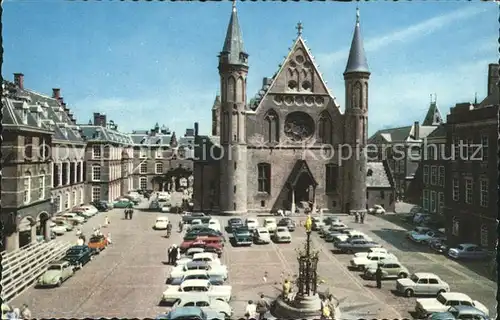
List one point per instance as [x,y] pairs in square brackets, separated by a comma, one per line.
[163,196]
[194,223]
[58,230]
[370,259]
[161,223]
[372,250]
[214,224]
[73,218]
[90,209]
[206,304]
[252,223]
[317,223]
[352,234]
[216,270]
[376,209]
[426,237]
[444,301]
[421,283]
[282,235]
[270,224]
[208,257]
[188,287]
[135,195]
[261,235]
[165,208]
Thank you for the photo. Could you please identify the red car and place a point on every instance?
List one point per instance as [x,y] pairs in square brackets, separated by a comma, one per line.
[211,244]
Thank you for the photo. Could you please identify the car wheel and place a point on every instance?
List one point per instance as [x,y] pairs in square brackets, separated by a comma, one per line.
[402,275]
[409,293]
[59,282]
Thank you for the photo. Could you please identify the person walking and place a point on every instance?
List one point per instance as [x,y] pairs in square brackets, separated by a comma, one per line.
[262,307]
[25,312]
[181,225]
[363,217]
[169,229]
[169,254]
[251,310]
[106,222]
[378,277]
[108,238]
[286,290]
[78,232]
[131,213]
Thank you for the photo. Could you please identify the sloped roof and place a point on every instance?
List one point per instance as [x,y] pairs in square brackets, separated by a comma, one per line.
[233,43]
[376,176]
[101,134]
[297,170]
[403,134]
[433,116]
[440,132]
[357,61]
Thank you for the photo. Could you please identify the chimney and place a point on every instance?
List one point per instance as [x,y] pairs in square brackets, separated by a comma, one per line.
[493,78]
[99,119]
[416,130]
[56,93]
[19,80]
[196,129]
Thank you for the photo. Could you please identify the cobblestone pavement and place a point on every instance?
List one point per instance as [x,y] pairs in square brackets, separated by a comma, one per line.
[127,279]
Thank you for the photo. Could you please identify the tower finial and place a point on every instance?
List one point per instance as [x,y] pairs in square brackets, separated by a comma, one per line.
[234,5]
[475,98]
[357,15]
[431,97]
[299,28]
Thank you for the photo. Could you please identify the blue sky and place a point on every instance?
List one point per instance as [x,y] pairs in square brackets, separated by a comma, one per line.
[148,62]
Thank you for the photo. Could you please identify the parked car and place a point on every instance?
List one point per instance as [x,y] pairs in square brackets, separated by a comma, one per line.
[331,220]
[102,206]
[166,208]
[426,237]
[187,288]
[90,209]
[376,209]
[372,258]
[282,235]
[190,313]
[57,272]
[78,256]
[390,269]
[123,203]
[417,231]
[214,224]
[58,229]
[197,274]
[372,250]
[465,312]
[216,270]
[252,223]
[188,218]
[288,223]
[161,223]
[82,212]
[270,224]
[261,236]
[98,243]
[468,251]
[242,237]
[154,205]
[206,304]
[63,223]
[204,241]
[316,223]
[207,257]
[421,283]
[356,245]
[73,218]
[427,306]
[438,245]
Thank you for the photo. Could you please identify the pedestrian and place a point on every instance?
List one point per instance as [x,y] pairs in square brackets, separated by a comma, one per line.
[356,217]
[169,254]
[108,238]
[262,307]
[251,310]
[131,213]
[95,232]
[25,312]
[80,242]
[181,225]
[177,254]
[78,232]
[363,217]
[325,309]
[286,290]
[106,221]
[378,276]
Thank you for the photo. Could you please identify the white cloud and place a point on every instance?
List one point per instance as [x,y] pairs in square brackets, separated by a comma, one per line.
[408,34]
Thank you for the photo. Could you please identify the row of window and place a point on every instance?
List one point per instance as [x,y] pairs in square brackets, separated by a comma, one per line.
[433,201]
[114,153]
[69,200]
[28,188]
[469,191]
[437,175]
[264,177]
[484,237]
[67,173]
[471,150]
[33,152]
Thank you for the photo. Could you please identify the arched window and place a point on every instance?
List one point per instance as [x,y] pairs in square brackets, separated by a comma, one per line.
[96,172]
[325,130]
[27,187]
[67,201]
[264,177]
[272,126]
[239,90]
[484,236]
[231,89]
[42,184]
[455,230]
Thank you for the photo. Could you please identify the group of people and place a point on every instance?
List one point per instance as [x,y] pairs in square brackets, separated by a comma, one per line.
[360,217]
[15,313]
[81,239]
[328,305]
[174,254]
[257,310]
[129,213]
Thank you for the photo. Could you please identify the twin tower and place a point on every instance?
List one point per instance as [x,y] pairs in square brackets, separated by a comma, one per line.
[233,70]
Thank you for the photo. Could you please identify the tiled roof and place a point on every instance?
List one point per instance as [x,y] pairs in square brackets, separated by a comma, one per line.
[101,134]
[377,177]
[440,132]
[357,61]
[403,134]
[491,100]
[433,116]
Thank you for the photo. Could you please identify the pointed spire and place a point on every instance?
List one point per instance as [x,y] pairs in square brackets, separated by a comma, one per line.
[234,49]
[173,140]
[357,59]
[299,28]
[433,116]
[217,102]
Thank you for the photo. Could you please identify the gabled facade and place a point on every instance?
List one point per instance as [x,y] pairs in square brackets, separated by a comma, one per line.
[279,151]
[157,152]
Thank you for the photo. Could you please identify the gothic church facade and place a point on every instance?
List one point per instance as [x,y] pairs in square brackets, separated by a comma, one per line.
[275,152]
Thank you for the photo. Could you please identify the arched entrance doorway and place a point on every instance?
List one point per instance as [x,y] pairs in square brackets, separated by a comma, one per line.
[43,225]
[27,231]
[174,179]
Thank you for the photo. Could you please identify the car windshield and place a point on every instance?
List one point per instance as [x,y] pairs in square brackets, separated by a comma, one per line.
[54,267]
[94,240]
[282,229]
[441,299]
[414,278]
[263,232]
[461,248]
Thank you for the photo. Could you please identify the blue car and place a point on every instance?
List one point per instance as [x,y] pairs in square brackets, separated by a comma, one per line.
[191,313]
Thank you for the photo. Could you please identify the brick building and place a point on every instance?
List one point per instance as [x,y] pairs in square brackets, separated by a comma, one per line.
[380,186]
[157,154]
[471,177]
[402,147]
[108,160]
[273,153]
[26,166]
